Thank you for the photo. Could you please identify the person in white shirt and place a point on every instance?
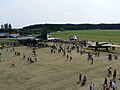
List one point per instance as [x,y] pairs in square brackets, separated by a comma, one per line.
[91,86]
[94,87]
[114,87]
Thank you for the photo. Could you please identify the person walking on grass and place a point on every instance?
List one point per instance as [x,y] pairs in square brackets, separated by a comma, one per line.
[119,76]
[110,84]
[94,87]
[67,56]
[23,56]
[114,75]
[80,78]
[91,86]
[105,82]
[114,87]
[35,59]
[107,88]
[13,63]
[109,72]
[28,59]
[63,53]
[91,61]
[0,59]
[70,58]
[84,81]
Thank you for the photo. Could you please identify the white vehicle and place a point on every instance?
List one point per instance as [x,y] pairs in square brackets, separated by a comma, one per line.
[73,37]
[49,37]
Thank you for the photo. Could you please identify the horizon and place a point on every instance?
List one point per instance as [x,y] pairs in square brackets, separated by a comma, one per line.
[23,13]
[58,23]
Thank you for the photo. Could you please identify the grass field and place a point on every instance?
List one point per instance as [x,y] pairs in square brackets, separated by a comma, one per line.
[91,35]
[3,40]
[52,72]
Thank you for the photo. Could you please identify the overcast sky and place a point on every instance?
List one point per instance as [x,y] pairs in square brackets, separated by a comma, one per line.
[28,12]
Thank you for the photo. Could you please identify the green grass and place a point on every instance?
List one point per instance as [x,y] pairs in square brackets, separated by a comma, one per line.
[91,35]
[2,40]
[52,72]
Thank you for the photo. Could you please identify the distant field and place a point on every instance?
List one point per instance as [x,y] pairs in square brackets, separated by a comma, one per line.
[4,40]
[91,35]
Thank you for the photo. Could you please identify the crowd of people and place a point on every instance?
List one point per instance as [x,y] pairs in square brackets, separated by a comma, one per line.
[31,58]
[66,49]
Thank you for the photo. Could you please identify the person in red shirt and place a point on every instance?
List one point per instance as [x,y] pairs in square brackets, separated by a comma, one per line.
[107,88]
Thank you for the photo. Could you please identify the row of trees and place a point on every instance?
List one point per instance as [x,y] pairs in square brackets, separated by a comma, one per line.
[90,26]
[6,26]
[60,27]
[56,27]
[38,28]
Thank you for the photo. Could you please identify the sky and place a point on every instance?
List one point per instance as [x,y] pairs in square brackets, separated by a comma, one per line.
[22,13]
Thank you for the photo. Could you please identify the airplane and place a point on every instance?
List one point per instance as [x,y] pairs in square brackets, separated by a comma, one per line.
[24,39]
[99,44]
[104,45]
[96,45]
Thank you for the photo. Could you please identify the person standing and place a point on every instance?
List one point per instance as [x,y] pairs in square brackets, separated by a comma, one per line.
[63,53]
[94,87]
[114,87]
[91,86]
[116,57]
[13,63]
[0,59]
[110,84]
[119,76]
[35,59]
[13,49]
[98,54]
[105,82]
[84,81]
[70,57]
[67,56]
[91,59]
[23,56]
[107,88]
[114,74]
[109,72]
[28,59]
[80,78]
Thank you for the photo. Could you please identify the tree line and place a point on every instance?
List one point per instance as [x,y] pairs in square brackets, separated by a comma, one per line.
[55,27]
[61,27]
[7,27]
[38,28]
